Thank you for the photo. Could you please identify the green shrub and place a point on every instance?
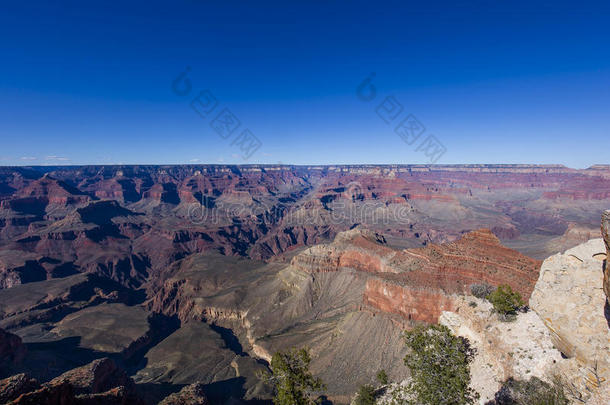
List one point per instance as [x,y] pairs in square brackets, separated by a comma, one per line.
[440,366]
[291,378]
[505,301]
[382,377]
[366,395]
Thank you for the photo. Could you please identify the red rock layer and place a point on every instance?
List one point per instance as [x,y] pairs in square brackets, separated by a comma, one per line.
[411,303]
[263,211]
[418,284]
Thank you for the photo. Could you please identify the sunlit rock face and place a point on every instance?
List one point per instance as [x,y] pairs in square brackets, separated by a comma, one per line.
[571,302]
[419,284]
[520,349]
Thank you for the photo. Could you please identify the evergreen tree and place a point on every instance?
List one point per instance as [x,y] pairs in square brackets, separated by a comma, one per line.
[440,366]
[506,302]
[293,382]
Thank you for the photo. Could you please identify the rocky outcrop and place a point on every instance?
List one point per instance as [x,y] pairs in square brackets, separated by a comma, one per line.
[98,376]
[114,396]
[12,387]
[571,302]
[606,236]
[100,382]
[359,249]
[521,349]
[60,394]
[190,395]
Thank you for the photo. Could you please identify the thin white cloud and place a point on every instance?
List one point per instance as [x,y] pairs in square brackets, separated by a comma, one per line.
[28,158]
[220,159]
[194,160]
[57,158]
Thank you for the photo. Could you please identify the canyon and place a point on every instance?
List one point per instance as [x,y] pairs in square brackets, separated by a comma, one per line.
[186,279]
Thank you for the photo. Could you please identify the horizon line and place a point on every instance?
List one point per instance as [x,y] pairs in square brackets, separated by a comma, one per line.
[325,165]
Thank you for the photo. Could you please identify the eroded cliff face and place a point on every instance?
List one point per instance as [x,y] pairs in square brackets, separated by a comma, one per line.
[606,236]
[359,249]
[418,284]
[413,303]
[427,279]
[570,300]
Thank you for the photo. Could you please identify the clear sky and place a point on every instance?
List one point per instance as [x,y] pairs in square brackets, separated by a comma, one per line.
[92,82]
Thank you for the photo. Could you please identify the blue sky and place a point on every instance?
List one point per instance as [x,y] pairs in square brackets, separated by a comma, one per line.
[493,82]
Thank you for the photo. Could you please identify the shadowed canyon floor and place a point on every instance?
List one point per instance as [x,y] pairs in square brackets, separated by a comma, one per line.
[198,274]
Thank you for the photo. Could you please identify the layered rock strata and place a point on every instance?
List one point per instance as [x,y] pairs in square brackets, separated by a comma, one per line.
[570,300]
[418,284]
[606,236]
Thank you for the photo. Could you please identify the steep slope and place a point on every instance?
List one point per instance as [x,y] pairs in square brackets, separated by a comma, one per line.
[326,299]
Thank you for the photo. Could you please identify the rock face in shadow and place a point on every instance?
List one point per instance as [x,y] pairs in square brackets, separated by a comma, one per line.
[98,376]
[197,353]
[60,394]
[606,236]
[12,351]
[190,395]
[12,387]
[569,299]
[100,382]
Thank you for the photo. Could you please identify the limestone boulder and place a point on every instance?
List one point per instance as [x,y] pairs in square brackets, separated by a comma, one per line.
[570,300]
[521,349]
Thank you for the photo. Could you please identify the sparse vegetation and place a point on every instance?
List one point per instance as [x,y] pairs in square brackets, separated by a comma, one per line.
[366,395]
[505,301]
[481,290]
[382,377]
[531,392]
[440,366]
[293,382]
